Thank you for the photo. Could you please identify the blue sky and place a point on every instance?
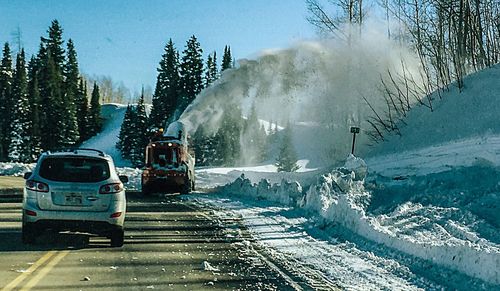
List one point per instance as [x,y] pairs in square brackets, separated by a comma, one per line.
[125,39]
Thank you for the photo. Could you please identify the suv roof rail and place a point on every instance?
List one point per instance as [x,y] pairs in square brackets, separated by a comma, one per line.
[75,150]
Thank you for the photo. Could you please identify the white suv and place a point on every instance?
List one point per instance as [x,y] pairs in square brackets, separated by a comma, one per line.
[74,190]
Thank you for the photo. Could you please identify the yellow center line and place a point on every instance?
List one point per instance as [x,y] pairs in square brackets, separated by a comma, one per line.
[30,270]
[46,269]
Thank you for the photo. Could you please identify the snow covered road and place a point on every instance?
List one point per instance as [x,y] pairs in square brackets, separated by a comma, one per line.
[305,250]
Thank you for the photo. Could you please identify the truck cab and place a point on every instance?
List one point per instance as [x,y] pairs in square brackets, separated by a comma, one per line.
[169,162]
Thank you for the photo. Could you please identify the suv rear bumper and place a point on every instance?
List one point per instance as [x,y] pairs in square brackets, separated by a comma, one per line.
[100,228]
[101,217]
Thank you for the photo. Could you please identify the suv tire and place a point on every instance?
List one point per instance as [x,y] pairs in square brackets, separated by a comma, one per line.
[29,233]
[117,238]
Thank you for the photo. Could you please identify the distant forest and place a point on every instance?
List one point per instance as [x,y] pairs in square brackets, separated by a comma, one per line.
[44,101]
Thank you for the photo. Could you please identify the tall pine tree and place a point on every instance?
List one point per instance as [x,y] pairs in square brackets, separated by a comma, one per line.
[191,71]
[71,132]
[126,135]
[6,102]
[211,69]
[55,117]
[254,138]
[227,60]
[287,158]
[139,133]
[82,110]
[34,104]
[94,117]
[166,95]
[52,117]
[227,138]
[20,136]
[54,44]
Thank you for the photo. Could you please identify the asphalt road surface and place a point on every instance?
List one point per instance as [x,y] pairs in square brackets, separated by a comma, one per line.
[170,244]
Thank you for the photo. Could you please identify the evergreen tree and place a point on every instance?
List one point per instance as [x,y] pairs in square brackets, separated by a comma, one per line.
[82,110]
[191,71]
[52,117]
[211,69]
[226,59]
[204,147]
[124,143]
[165,97]
[55,118]
[227,138]
[20,137]
[254,138]
[6,102]
[94,116]
[287,158]
[54,44]
[139,134]
[34,105]
[71,128]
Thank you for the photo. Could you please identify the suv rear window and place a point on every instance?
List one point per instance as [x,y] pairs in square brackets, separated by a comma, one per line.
[74,169]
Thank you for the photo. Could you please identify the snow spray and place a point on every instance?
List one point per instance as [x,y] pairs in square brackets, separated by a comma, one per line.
[315,86]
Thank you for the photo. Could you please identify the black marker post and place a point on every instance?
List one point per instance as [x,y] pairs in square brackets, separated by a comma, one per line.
[354,131]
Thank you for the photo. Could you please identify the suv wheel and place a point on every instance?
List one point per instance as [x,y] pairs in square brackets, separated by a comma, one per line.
[29,233]
[117,238]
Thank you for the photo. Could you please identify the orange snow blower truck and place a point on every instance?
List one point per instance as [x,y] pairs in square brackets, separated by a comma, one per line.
[169,162]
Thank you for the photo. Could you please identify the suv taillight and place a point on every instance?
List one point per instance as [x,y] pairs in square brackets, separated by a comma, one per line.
[111,188]
[37,186]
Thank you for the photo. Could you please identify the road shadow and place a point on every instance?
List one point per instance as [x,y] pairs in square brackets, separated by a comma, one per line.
[48,241]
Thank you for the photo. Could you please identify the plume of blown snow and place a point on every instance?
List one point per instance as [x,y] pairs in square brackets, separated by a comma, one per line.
[317,86]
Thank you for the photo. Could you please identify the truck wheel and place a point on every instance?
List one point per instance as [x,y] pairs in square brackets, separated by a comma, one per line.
[145,191]
[186,188]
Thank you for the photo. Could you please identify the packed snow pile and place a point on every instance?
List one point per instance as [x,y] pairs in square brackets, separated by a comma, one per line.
[443,235]
[286,192]
[15,169]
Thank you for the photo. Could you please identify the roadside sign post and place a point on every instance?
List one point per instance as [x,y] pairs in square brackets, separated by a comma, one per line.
[354,131]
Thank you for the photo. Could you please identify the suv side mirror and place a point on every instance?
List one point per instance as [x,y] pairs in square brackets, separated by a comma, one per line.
[27,175]
[124,179]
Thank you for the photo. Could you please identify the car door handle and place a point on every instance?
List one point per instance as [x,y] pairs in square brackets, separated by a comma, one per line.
[92,198]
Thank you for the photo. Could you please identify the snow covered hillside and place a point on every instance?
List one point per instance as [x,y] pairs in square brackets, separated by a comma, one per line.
[472,114]
[105,141]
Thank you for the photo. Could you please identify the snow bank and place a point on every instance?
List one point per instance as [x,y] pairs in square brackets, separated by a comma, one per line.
[286,192]
[209,178]
[437,234]
[15,169]
[134,178]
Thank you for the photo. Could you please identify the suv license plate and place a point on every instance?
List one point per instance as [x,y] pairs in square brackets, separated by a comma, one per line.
[74,199]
